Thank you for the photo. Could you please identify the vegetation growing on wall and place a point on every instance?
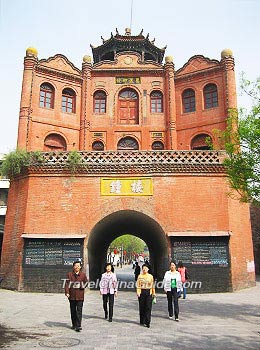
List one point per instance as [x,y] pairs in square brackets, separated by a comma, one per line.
[15,161]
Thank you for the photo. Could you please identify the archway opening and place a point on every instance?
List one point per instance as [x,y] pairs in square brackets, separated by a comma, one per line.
[127,254]
[127,222]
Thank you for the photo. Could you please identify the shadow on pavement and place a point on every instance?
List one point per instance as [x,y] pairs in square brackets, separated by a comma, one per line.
[8,335]
[57,324]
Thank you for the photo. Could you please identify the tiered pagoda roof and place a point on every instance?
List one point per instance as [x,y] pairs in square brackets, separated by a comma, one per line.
[120,43]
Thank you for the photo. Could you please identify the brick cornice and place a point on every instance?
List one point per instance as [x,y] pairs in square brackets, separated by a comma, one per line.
[197,74]
[59,74]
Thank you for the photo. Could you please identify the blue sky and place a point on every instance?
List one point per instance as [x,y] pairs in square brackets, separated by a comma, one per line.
[187,27]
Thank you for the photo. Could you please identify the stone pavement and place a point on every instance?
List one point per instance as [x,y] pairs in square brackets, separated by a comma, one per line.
[207,321]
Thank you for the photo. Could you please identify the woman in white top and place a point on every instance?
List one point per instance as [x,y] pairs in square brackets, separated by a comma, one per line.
[172,286]
[108,289]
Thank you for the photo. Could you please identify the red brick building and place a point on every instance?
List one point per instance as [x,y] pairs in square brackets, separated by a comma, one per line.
[145,167]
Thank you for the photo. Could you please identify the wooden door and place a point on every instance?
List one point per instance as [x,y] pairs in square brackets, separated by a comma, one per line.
[128,107]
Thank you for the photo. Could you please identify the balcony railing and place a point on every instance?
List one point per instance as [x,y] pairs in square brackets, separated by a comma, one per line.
[118,162]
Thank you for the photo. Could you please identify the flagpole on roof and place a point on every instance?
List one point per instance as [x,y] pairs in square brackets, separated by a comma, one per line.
[131,16]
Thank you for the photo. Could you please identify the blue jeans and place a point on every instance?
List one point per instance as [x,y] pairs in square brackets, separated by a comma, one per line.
[184,292]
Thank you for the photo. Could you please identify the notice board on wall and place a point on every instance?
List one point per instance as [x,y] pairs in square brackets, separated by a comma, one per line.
[201,252]
[52,252]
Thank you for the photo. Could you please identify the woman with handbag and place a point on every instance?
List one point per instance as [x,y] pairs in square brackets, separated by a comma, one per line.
[146,295]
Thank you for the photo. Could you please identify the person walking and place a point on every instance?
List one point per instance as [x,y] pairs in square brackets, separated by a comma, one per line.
[137,270]
[108,290]
[172,286]
[145,292]
[184,276]
[74,290]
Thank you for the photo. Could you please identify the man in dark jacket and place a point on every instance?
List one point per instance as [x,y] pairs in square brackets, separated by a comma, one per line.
[74,290]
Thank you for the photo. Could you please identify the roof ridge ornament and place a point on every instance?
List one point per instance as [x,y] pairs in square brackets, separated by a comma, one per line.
[127,31]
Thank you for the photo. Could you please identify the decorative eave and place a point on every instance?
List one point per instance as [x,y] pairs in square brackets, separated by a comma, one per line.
[210,62]
[57,56]
[47,66]
[118,43]
[197,74]
[143,65]
[132,162]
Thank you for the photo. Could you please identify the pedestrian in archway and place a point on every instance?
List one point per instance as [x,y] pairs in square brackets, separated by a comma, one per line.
[172,286]
[74,290]
[108,290]
[184,277]
[137,270]
[145,292]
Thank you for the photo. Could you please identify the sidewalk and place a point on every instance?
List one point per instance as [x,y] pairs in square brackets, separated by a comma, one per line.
[207,321]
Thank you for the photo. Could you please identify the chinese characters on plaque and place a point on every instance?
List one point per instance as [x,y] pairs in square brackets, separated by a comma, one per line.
[128,80]
[127,187]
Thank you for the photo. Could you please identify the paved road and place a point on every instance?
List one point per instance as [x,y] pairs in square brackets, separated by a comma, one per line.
[207,321]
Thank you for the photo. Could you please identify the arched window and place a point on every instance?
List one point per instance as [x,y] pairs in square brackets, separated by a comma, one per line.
[55,142]
[127,143]
[46,95]
[128,107]
[97,146]
[68,103]
[199,142]
[100,99]
[157,145]
[188,100]
[210,93]
[156,102]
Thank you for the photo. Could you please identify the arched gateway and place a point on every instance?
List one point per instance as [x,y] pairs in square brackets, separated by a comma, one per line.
[127,222]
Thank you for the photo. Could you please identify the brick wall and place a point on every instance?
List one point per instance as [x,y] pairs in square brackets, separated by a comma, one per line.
[255,222]
[62,204]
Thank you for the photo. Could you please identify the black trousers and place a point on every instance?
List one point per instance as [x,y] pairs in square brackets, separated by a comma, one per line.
[172,296]
[145,306]
[108,298]
[76,312]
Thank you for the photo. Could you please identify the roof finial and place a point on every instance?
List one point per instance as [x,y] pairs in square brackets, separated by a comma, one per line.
[128,31]
[117,31]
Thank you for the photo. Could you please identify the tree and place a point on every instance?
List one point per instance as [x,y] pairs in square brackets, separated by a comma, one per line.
[242,144]
[129,243]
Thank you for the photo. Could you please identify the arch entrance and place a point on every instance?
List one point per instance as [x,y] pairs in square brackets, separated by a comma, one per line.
[127,222]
